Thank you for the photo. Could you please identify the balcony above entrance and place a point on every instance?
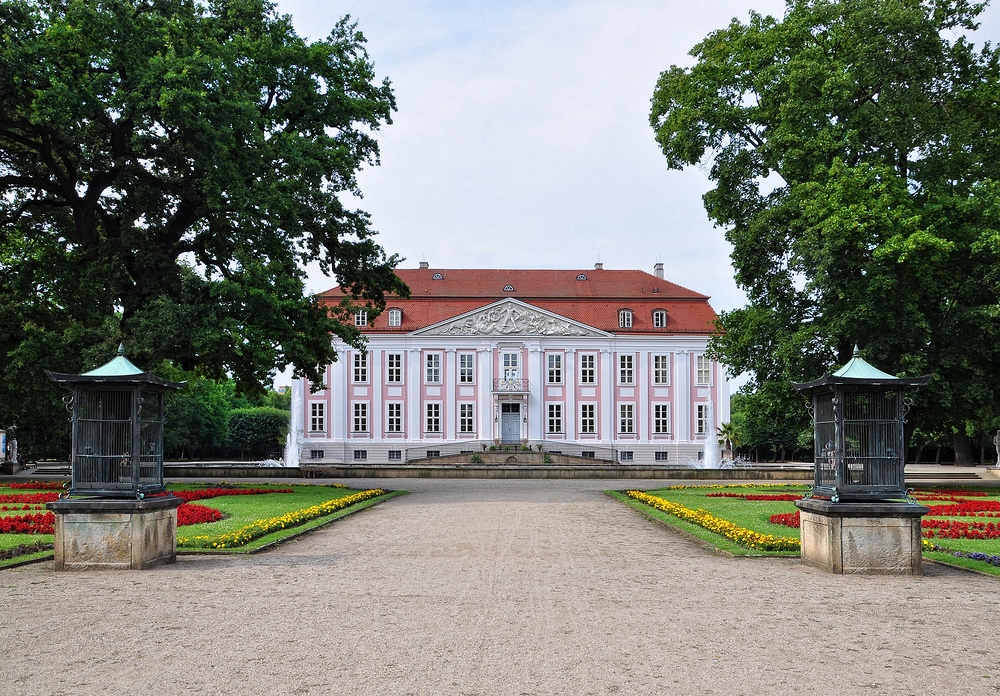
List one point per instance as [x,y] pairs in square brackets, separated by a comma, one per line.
[510,386]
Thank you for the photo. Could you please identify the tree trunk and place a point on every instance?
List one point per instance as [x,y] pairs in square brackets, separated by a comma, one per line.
[937,457]
[963,450]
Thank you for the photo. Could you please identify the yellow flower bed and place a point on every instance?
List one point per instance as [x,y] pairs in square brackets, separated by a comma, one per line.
[743,537]
[260,528]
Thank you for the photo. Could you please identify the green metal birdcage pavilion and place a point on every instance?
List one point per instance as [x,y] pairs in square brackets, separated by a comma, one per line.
[858,418]
[117,416]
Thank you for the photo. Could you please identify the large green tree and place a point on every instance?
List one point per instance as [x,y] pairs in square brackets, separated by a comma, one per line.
[168,168]
[854,148]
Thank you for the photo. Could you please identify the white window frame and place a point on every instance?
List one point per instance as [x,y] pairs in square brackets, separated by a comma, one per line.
[554,422]
[553,364]
[626,419]
[467,418]
[626,369]
[701,419]
[659,319]
[467,372]
[394,368]
[395,317]
[661,370]
[317,417]
[703,371]
[510,365]
[588,368]
[361,317]
[432,417]
[625,319]
[432,368]
[394,421]
[588,419]
[661,418]
[359,413]
[360,375]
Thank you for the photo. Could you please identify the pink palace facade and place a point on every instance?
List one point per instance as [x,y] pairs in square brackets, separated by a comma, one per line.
[595,363]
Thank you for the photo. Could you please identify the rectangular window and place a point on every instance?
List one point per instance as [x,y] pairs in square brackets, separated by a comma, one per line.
[511,369]
[466,368]
[361,318]
[555,368]
[702,419]
[395,455]
[661,369]
[466,418]
[316,454]
[360,367]
[360,455]
[588,454]
[659,319]
[394,368]
[626,369]
[395,317]
[394,418]
[660,456]
[587,373]
[360,418]
[626,456]
[555,418]
[588,422]
[661,419]
[433,419]
[704,375]
[433,453]
[626,418]
[432,375]
[317,417]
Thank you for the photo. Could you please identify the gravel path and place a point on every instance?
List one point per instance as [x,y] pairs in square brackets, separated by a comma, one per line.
[495,587]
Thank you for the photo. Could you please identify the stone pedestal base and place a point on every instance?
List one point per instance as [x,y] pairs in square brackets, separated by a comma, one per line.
[116,534]
[881,538]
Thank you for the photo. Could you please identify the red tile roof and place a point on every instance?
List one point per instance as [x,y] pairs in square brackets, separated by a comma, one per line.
[593,297]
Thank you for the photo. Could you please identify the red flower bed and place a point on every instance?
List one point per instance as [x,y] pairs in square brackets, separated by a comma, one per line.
[948,492]
[5,508]
[953,529]
[37,486]
[966,508]
[202,494]
[39,523]
[757,496]
[789,519]
[196,514]
[29,498]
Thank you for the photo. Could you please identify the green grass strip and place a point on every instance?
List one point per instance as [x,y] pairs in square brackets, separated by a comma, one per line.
[744,537]
[264,527]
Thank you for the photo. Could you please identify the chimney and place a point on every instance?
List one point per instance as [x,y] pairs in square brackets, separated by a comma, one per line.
[658,270]
[423,264]
[598,266]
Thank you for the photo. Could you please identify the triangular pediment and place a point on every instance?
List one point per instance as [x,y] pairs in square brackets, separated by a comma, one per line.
[509,318]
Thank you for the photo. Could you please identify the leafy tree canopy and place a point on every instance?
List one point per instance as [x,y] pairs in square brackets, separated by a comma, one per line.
[854,151]
[167,170]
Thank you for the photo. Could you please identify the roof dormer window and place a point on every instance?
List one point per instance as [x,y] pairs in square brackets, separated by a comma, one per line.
[625,319]
[659,319]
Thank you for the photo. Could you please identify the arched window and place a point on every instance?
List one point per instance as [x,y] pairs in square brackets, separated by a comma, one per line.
[625,318]
[659,319]
[395,317]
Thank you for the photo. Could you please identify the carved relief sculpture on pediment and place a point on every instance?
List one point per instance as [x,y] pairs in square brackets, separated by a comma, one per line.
[510,319]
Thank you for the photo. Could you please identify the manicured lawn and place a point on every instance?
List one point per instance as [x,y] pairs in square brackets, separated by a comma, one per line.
[249,522]
[971,516]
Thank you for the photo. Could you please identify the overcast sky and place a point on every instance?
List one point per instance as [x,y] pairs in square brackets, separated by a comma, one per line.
[522,137]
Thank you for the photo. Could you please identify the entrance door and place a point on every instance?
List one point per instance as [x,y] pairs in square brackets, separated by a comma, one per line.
[510,422]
